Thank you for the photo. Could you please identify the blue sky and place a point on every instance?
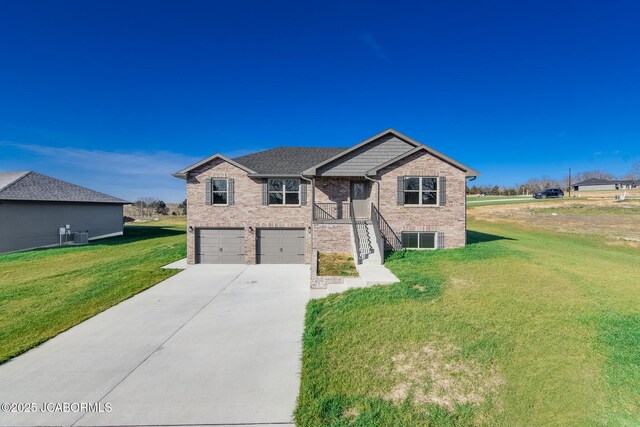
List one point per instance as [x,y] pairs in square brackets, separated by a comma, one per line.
[118,95]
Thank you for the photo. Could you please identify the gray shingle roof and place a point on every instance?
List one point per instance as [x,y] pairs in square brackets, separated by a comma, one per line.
[596,181]
[286,160]
[289,161]
[32,186]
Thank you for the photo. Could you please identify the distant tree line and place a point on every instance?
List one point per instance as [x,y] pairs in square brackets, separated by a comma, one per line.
[150,206]
[536,184]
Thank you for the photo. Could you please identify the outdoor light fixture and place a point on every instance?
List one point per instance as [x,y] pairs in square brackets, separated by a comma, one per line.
[191,229]
[250,229]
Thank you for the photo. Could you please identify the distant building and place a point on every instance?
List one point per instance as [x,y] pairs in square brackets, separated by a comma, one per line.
[39,211]
[628,184]
[593,184]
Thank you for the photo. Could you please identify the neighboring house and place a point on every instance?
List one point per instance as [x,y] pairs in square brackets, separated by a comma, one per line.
[282,205]
[34,207]
[593,184]
[627,184]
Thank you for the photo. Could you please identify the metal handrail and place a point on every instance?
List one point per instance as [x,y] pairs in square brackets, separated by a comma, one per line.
[331,211]
[376,229]
[356,237]
[389,237]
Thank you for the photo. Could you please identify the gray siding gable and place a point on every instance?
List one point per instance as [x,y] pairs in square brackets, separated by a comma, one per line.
[367,157]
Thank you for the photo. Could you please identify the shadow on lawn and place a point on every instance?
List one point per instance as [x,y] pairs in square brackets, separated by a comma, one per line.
[138,233]
[475,237]
[132,234]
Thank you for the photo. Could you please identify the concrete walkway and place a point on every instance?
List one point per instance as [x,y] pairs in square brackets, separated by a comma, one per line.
[376,274]
[370,275]
[213,345]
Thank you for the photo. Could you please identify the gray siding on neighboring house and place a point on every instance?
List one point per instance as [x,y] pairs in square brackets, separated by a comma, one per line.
[596,187]
[359,161]
[26,225]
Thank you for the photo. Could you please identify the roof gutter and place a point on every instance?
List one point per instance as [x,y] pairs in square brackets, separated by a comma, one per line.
[274,175]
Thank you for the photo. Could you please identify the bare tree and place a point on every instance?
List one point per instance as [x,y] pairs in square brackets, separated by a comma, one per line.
[182,207]
[140,207]
[634,173]
[145,205]
[597,173]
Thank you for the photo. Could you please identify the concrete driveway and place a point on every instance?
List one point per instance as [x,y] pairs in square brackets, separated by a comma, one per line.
[213,345]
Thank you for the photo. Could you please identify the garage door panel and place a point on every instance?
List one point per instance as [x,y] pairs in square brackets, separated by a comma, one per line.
[220,246]
[276,259]
[281,246]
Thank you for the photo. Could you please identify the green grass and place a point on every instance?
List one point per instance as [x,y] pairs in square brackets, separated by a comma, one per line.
[590,209]
[473,201]
[44,292]
[521,327]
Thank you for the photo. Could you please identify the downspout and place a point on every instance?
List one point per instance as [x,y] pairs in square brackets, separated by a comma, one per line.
[376,226]
[312,204]
[377,190]
[471,178]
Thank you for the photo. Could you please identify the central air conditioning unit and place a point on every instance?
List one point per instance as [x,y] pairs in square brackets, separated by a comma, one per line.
[80,238]
[68,237]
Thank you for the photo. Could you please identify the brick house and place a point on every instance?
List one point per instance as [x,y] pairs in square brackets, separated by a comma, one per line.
[283,205]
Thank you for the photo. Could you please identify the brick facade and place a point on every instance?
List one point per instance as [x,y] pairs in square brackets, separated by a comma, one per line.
[331,190]
[450,219]
[248,210]
[249,213]
[332,237]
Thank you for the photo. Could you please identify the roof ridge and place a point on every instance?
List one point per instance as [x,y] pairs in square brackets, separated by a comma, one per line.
[291,146]
[21,177]
[78,186]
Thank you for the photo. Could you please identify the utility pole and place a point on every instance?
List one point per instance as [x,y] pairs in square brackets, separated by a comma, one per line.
[569,182]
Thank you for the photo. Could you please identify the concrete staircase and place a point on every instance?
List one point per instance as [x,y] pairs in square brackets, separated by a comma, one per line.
[367,243]
[372,270]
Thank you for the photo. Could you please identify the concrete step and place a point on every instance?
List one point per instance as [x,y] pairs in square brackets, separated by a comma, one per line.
[376,274]
[364,238]
[373,257]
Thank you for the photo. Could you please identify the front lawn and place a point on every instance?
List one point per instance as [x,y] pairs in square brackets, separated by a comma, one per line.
[44,292]
[521,327]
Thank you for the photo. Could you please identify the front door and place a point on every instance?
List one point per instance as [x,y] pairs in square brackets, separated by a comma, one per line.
[360,199]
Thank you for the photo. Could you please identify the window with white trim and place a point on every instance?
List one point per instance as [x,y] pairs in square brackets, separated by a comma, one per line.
[418,240]
[219,191]
[284,191]
[420,190]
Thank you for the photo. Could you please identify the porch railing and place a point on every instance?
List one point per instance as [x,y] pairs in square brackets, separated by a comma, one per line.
[390,239]
[332,212]
[356,237]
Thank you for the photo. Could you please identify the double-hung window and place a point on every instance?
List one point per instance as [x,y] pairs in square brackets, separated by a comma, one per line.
[284,191]
[219,191]
[420,190]
[418,240]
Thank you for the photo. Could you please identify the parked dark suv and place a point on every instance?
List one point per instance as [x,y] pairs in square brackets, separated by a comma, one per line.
[549,192]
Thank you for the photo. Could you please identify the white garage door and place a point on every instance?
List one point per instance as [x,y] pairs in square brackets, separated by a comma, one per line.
[220,246]
[280,245]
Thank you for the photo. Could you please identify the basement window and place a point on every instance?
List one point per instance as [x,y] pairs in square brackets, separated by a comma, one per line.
[284,191]
[418,240]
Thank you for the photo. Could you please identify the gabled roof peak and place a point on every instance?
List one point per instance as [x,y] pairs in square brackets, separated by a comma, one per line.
[290,161]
